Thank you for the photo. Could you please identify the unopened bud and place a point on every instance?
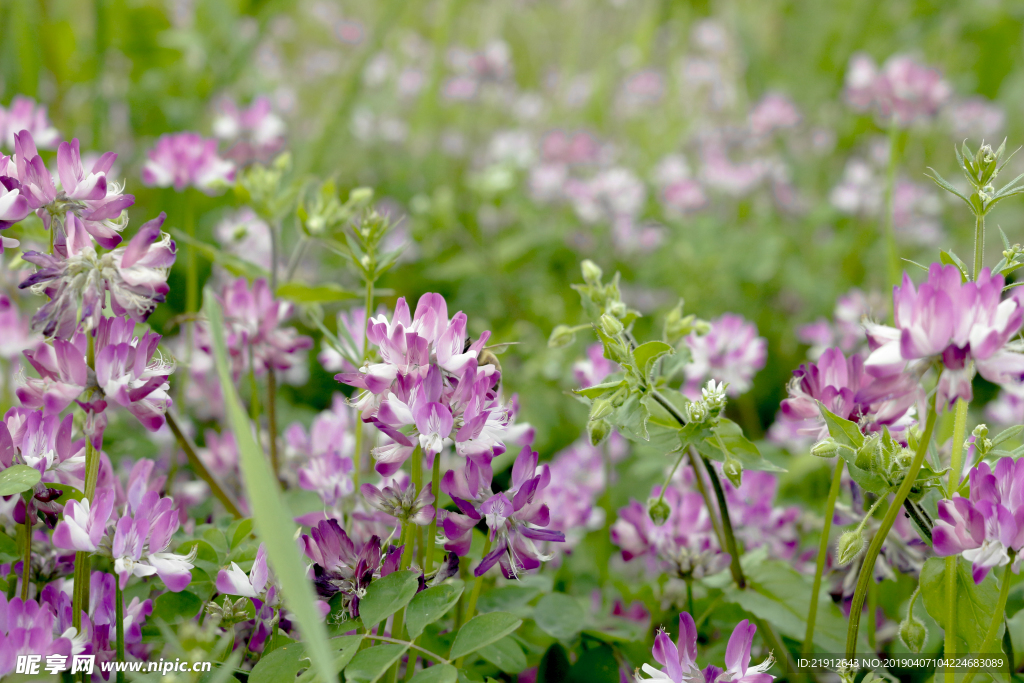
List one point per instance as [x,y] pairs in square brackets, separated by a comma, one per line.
[561,336]
[598,431]
[701,327]
[826,448]
[697,411]
[866,454]
[851,544]
[601,408]
[591,272]
[913,633]
[360,195]
[659,510]
[616,308]
[677,325]
[981,431]
[611,325]
[733,470]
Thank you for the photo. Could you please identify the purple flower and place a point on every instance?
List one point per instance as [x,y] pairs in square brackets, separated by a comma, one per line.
[141,540]
[63,375]
[577,479]
[78,283]
[730,352]
[844,388]
[27,437]
[187,159]
[402,503]
[24,114]
[247,236]
[255,133]
[903,90]
[679,661]
[774,112]
[128,373]
[26,628]
[989,523]
[952,321]
[326,452]
[15,333]
[234,581]
[84,523]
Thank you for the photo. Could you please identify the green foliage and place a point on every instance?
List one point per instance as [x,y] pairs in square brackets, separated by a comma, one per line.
[17,479]
[974,603]
[386,596]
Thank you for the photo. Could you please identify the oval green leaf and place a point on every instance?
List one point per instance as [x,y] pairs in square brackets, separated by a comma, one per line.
[430,605]
[386,596]
[483,630]
[18,478]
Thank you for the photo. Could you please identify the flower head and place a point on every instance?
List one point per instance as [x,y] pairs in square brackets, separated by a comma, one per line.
[187,160]
[730,352]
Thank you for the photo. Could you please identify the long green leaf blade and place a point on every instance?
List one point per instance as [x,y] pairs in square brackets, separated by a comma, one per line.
[272,517]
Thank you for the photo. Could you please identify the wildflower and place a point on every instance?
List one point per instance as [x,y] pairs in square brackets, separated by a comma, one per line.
[255,133]
[234,581]
[903,90]
[141,538]
[247,236]
[730,352]
[984,527]
[773,112]
[26,628]
[679,660]
[129,375]
[84,523]
[78,284]
[402,503]
[186,159]
[952,321]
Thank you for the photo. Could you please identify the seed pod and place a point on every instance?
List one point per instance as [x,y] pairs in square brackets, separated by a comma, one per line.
[913,633]
[851,544]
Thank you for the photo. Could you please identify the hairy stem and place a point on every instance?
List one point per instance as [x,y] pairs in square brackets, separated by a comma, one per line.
[979,244]
[357,458]
[119,615]
[26,558]
[200,468]
[730,538]
[955,467]
[919,517]
[867,566]
[830,509]
[435,488]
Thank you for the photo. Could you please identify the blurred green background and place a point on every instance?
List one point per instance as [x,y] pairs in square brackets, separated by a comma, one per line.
[444,107]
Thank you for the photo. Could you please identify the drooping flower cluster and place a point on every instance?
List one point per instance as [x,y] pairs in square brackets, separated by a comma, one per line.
[903,90]
[730,352]
[679,659]
[986,527]
[186,160]
[516,518]
[964,325]
[429,389]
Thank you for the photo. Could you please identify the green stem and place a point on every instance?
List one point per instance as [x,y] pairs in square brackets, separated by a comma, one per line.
[890,206]
[357,457]
[730,538]
[830,509]
[872,624]
[427,654]
[6,379]
[955,468]
[293,261]
[435,488]
[703,490]
[997,617]
[254,402]
[200,468]
[979,243]
[119,615]
[26,558]
[272,421]
[668,479]
[478,584]
[867,567]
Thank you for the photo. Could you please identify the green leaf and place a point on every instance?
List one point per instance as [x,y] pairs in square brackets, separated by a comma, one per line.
[440,673]
[176,607]
[428,606]
[386,596]
[327,292]
[347,647]
[596,665]
[443,673]
[599,390]
[780,595]
[1006,435]
[647,354]
[554,665]
[273,520]
[738,446]
[373,662]
[482,630]
[18,478]
[242,531]
[848,434]
[512,598]
[8,548]
[506,655]
[631,418]
[559,615]
[284,661]
[949,258]
[975,603]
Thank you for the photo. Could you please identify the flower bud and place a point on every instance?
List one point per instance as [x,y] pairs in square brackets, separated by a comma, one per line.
[981,431]
[598,431]
[616,308]
[601,408]
[826,448]
[697,411]
[611,325]
[591,272]
[913,633]
[677,325]
[867,453]
[701,327]
[733,470]
[360,195]
[561,336]
[851,544]
[659,510]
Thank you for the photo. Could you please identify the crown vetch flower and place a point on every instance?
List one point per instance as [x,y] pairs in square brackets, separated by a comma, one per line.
[234,581]
[26,628]
[679,660]
[128,373]
[186,159]
[987,524]
[23,113]
[402,502]
[79,282]
[903,89]
[730,352]
[84,523]
[255,132]
[952,321]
